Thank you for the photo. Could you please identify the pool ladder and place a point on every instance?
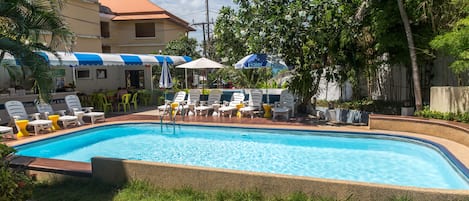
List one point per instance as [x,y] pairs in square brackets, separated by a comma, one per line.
[173,119]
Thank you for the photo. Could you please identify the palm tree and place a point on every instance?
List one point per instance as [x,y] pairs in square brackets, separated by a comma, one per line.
[410,41]
[23,25]
[413,56]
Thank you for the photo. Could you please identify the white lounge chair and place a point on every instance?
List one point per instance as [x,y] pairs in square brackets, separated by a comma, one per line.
[74,106]
[254,103]
[285,106]
[17,112]
[236,98]
[179,97]
[46,110]
[213,101]
[192,100]
[7,132]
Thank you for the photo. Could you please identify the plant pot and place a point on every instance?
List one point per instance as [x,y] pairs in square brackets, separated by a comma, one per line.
[407,111]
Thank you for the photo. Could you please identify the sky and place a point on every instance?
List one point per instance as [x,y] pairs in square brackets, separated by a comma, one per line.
[194,11]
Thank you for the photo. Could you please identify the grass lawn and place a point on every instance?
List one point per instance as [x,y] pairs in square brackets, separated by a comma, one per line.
[86,190]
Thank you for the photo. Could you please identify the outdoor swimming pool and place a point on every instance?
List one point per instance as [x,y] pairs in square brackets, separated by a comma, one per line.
[361,157]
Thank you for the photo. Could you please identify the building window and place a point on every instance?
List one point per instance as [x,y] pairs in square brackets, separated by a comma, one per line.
[83,74]
[101,74]
[145,29]
[105,30]
[106,49]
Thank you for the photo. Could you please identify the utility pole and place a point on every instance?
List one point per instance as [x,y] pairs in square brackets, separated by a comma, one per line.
[208,24]
[205,31]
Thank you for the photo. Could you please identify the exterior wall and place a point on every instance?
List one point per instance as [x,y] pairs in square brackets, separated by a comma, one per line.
[212,179]
[122,36]
[115,78]
[83,18]
[449,99]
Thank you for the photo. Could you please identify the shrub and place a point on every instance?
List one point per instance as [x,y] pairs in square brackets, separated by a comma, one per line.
[14,183]
[449,116]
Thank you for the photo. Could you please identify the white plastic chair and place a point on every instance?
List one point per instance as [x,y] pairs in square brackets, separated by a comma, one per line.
[285,106]
[7,132]
[254,103]
[74,106]
[206,106]
[192,100]
[179,97]
[229,108]
[46,110]
[17,112]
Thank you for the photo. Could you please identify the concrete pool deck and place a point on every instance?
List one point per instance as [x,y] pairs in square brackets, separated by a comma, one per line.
[459,150]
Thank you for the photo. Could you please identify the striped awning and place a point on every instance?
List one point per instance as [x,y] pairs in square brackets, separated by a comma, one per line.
[76,59]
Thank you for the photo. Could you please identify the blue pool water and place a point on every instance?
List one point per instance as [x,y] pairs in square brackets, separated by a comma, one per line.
[347,156]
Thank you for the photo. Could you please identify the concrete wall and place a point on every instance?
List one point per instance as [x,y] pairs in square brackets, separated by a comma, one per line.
[449,99]
[211,179]
[457,132]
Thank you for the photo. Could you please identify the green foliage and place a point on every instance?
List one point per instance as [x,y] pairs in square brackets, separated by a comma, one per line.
[304,34]
[183,46]
[448,116]
[21,26]
[14,183]
[455,43]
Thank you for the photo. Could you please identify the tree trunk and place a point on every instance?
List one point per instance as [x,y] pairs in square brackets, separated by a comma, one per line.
[413,56]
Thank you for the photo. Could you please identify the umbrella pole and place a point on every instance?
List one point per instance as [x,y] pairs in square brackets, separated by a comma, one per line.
[185,75]
[164,110]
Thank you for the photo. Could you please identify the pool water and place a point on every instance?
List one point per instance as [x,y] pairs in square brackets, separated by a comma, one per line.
[335,155]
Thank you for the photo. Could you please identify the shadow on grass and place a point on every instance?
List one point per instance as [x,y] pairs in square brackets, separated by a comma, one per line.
[74,190]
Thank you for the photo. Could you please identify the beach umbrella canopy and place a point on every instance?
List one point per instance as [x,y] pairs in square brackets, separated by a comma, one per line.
[260,61]
[202,63]
[165,77]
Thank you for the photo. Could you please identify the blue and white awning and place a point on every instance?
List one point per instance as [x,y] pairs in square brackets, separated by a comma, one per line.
[76,59]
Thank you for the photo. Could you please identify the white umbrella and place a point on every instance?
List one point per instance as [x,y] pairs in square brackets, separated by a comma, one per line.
[202,63]
[165,78]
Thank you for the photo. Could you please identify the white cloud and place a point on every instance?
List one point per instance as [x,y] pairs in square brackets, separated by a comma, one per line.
[193,11]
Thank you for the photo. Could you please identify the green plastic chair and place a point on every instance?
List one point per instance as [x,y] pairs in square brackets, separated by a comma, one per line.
[125,102]
[134,101]
[104,103]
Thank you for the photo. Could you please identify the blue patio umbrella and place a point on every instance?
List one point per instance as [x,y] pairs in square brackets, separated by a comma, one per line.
[259,60]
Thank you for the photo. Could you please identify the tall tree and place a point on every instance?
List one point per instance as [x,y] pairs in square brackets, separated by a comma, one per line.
[413,56]
[304,34]
[183,46]
[23,26]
